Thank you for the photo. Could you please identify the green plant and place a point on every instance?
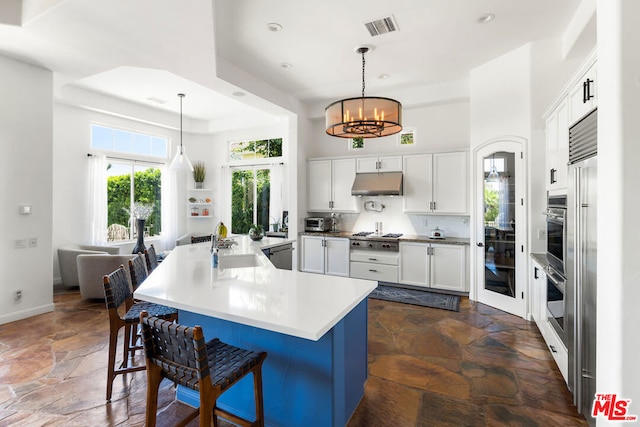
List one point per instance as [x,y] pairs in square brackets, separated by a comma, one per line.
[256,228]
[199,172]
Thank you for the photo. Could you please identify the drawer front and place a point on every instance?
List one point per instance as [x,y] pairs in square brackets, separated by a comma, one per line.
[374,257]
[370,271]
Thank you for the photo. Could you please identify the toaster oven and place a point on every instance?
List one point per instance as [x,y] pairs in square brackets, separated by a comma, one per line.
[317,224]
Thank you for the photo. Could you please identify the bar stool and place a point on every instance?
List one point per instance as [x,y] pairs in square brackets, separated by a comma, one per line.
[117,292]
[137,270]
[181,354]
[152,258]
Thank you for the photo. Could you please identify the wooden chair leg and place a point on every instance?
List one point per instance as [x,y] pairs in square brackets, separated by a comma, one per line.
[206,412]
[257,391]
[111,367]
[154,378]
[126,347]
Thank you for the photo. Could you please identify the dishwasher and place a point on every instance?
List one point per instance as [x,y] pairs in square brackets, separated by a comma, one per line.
[280,256]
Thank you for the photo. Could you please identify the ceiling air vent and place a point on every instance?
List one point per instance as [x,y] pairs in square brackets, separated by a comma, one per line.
[381,26]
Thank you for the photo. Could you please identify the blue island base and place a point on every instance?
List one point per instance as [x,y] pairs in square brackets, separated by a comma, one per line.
[305,383]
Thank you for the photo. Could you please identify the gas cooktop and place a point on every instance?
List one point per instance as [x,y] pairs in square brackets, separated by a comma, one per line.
[372,235]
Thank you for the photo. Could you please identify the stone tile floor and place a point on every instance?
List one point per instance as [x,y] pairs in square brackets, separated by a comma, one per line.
[427,367]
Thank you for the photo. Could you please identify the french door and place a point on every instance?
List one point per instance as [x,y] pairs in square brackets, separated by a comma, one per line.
[500,226]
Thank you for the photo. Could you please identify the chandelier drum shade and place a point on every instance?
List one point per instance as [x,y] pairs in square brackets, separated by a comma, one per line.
[366,116]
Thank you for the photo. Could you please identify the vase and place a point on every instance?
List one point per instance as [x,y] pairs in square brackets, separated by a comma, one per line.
[199,185]
[139,247]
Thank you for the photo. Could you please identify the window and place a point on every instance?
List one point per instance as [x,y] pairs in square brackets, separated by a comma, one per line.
[123,141]
[256,186]
[133,186]
[251,150]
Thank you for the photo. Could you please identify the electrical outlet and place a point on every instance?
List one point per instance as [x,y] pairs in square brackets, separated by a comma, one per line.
[20,243]
[17,296]
[33,242]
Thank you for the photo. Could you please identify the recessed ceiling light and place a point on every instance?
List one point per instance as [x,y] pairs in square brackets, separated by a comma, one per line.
[286,65]
[487,17]
[274,26]
[238,94]
[383,76]
[157,100]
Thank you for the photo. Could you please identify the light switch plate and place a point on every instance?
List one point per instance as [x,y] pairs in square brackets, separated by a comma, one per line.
[33,242]
[20,243]
[25,209]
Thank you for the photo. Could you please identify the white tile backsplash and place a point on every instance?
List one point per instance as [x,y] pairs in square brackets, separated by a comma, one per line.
[395,221]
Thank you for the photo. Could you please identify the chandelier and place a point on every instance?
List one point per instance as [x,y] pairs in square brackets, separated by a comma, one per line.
[364,117]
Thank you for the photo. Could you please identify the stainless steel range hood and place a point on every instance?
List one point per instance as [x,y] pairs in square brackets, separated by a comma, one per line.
[377,184]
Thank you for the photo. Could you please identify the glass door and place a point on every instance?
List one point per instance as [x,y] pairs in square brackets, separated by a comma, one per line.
[500,249]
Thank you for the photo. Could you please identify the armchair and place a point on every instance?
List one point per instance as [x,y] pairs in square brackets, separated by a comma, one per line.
[93,267]
[67,260]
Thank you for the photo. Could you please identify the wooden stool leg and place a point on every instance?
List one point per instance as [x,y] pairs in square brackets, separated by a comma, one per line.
[154,378]
[126,347]
[111,368]
[257,391]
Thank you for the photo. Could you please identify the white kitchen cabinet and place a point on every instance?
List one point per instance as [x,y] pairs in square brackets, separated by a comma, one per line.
[439,266]
[557,133]
[329,185]
[377,265]
[583,96]
[325,255]
[379,164]
[539,311]
[435,183]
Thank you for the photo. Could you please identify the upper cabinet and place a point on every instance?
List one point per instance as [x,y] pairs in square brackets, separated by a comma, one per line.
[329,185]
[435,183]
[379,164]
[557,147]
[577,99]
[583,96]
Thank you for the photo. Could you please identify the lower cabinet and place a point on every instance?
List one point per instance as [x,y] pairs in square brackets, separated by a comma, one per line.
[382,267]
[325,255]
[439,266]
[539,311]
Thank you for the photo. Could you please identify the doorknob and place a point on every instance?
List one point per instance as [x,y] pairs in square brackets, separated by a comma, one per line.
[480,245]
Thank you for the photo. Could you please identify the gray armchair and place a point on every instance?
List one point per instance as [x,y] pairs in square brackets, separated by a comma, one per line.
[67,260]
[93,267]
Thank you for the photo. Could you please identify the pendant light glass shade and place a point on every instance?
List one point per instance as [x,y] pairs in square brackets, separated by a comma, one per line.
[181,161]
[493,176]
[366,116]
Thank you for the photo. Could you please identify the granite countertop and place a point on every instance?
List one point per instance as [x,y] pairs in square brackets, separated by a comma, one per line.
[247,289]
[404,238]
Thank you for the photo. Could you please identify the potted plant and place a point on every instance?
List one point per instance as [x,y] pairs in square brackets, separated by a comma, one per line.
[256,232]
[199,173]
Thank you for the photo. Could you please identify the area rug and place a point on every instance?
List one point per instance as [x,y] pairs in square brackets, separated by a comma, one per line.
[416,297]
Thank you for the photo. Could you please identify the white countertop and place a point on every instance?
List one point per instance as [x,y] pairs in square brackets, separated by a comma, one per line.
[304,305]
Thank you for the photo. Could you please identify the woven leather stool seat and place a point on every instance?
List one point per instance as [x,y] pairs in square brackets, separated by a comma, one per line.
[181,354]
[117,293]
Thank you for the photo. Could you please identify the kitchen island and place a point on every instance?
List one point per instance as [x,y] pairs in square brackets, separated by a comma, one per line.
[313,328]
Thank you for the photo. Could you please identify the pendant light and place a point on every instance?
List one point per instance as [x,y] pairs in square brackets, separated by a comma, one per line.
[181,161]
[364,117]
[493,176]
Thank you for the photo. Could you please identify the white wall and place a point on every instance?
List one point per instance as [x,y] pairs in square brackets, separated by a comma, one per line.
[442,127]
[26,172]
[618,346]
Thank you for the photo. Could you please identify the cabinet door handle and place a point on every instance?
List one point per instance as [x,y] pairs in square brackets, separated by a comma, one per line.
[373,259]
[587,91]
[374,271]
[584,92]
[480,244]
[553,349]
[552,176]
[434,206]
[535,272]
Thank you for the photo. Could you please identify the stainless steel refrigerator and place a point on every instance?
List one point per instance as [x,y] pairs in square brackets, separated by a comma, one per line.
[582,249]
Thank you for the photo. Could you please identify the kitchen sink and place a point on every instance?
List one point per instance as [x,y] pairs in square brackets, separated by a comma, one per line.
[239,261]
